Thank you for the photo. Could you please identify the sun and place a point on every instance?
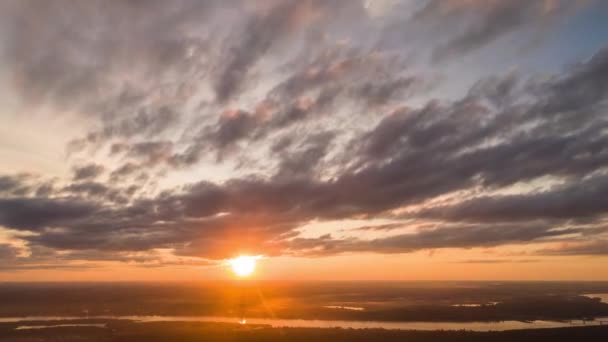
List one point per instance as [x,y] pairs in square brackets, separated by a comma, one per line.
[244,265]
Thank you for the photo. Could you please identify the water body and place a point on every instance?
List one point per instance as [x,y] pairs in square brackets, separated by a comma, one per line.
[474,305]
[301,323]
[30,327]
[602,296]
[340,307]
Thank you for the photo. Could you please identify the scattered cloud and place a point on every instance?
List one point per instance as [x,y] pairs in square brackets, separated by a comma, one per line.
[208,128]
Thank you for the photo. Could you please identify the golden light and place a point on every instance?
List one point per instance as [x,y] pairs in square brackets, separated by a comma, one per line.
[244,265]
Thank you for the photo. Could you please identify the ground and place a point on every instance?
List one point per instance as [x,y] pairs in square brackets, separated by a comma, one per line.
[123,331]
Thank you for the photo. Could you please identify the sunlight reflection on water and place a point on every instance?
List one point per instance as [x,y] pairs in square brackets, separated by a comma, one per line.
[301,323]
[602,296]
[30,327]
[340,307]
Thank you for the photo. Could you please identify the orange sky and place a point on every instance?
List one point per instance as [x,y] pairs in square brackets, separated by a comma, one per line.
[412,267]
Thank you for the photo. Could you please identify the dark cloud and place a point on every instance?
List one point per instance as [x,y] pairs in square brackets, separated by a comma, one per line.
[478,23]
[222,137]
[143,124]
[463,236]
[257,36]
[151,153]
[93,189]
[45,189]
[381,227]
[312,91]
[232,127]
[273,24]
[575,200]
[124,171]
[377,93]
[577,93]
[14,184]
[37,213]
[306,159]
[86,172]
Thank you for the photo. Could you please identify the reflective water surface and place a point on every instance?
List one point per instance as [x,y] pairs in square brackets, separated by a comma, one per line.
[301,323]
[602,296]
[29,327]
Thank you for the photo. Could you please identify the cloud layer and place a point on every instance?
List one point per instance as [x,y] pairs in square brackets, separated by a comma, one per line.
[314,111]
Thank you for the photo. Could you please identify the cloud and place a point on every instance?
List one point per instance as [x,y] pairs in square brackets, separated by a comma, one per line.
[7,252]
[150,153]
[582,199]
[14,184]
[270,25]
[142,124]
[85,172]
[54,59]
[410,156]
[459,236]
[258,35]
[597,247]
[36,213]
[498,261]
[124,170]
[310,111]
[479,23]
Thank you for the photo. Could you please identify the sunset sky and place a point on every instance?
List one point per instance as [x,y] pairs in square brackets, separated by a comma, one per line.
[378,139]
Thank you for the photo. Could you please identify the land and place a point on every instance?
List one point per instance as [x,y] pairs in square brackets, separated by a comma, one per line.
[119,331]
[356,301]
[364,301]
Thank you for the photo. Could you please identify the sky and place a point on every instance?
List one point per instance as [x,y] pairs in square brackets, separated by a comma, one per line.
[337,140]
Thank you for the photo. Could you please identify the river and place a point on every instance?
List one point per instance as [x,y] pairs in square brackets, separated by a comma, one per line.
[306,323]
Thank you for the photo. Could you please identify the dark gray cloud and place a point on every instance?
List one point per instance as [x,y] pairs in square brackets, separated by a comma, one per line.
[14,184]
[312,91]
[463,236]
[581,199]
[125,170]
[272,24]
[149,153]
[257,36]
[86,172]
[36,213]
[142,124]
[232,127]
[305,160]
[476,24]
[45,189]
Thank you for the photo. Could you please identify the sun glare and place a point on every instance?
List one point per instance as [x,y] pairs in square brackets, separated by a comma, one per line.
[243,266]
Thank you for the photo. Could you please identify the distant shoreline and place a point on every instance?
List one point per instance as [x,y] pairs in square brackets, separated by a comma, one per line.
[194,331]
[481,326]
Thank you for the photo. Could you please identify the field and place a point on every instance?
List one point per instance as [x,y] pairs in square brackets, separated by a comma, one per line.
[361,301]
